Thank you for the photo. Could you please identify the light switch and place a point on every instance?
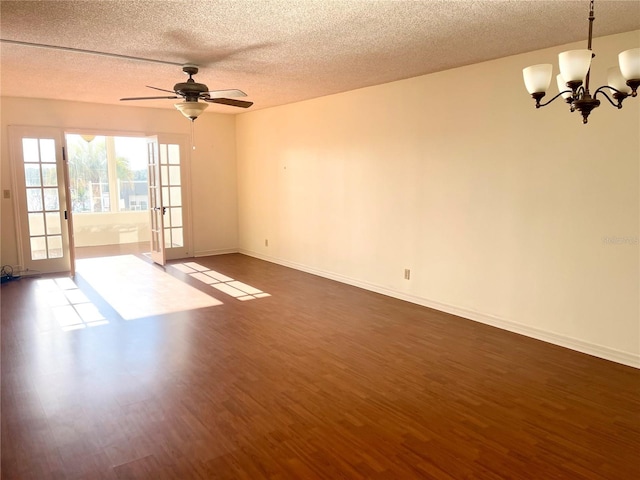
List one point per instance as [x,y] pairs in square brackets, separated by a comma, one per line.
[6,194]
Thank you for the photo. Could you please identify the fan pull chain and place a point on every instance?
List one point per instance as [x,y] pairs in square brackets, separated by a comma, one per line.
[193,136]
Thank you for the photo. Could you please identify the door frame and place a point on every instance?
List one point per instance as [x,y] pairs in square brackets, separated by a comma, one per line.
[16,134]
[185,167]
[156,204]
[185,183]
[62,158]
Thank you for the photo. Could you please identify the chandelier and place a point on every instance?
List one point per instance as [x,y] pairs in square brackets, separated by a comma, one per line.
[573,80]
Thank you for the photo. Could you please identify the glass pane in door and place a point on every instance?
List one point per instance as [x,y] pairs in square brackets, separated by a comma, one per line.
[43,201]
[172,194]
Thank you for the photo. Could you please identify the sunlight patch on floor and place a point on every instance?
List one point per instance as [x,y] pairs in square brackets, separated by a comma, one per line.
[217,280]
[71,308]
[137,289]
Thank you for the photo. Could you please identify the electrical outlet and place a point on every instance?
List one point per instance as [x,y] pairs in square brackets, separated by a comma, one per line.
[407,274]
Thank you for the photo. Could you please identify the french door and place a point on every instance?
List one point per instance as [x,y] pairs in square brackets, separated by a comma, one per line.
[41,209]
[156,209]
[168,205]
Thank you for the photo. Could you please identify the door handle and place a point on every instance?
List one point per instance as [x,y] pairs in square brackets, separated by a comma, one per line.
[164,209]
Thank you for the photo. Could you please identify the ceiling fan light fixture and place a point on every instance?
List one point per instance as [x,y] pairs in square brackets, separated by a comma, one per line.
[192,91]
[191,110]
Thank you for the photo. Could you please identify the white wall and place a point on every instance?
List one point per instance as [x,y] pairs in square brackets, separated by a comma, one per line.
[213,167]
[501,211]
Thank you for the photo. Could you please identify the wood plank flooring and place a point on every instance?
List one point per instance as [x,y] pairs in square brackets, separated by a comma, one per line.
[318,381]
[109,250]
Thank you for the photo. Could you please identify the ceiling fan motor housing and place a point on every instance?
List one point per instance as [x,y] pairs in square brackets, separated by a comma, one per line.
[190,89]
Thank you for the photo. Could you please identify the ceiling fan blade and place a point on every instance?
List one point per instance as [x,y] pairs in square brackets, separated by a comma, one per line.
[224,93]
[147,98]
[229,101]
[161,89]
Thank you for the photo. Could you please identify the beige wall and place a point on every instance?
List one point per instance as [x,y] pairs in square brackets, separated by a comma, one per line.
[213,167]
[111,228]
[521,218]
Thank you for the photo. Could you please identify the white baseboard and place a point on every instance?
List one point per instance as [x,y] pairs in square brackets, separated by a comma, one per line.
[223,251]
[549,337]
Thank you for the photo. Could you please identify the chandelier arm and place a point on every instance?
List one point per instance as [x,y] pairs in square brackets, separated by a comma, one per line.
[621,95]
[607,97]
[547,103]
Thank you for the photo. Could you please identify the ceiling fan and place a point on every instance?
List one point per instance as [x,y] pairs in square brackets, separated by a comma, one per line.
[192,91]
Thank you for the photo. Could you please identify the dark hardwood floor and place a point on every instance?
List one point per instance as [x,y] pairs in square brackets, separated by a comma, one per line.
[320,380]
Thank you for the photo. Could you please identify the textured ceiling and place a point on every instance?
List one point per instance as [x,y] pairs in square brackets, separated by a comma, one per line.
[278,51]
